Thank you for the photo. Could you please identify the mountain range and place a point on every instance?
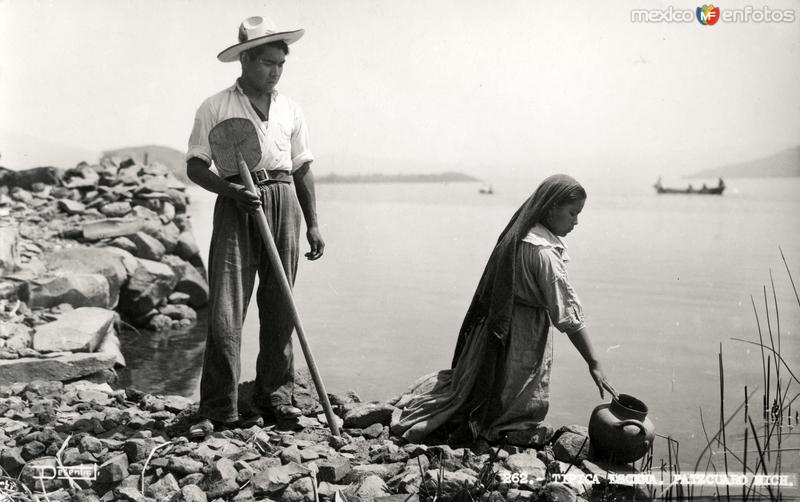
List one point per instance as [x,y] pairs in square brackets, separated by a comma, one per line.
[783,164]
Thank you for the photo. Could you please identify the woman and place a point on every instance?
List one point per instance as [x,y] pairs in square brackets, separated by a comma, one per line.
[499,380]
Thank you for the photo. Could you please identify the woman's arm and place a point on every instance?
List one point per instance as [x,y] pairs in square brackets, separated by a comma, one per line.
[581,342]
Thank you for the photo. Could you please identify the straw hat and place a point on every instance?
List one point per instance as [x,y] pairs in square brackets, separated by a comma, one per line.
[255,31]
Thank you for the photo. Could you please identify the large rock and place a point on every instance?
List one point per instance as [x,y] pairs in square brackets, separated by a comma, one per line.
[90,260]
[149,285]
[451,485]
[147,247]
[363,415]
[79,290]
[370,488]
[334,469]
[572,445]
[114,470]
[527,464]
[273,480]
[168,235]
[164,488]
[187,245]
[111,227]
[190,281]
[66,367]
[15,336]
[79,330]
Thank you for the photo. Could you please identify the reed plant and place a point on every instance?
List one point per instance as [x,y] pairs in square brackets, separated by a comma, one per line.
[762,439]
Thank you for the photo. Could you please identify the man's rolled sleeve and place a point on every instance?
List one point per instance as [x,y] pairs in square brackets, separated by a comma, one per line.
[198,140]
[301,152]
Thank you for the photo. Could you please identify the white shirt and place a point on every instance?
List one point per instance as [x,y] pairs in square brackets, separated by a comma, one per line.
[540,235]
[284,138]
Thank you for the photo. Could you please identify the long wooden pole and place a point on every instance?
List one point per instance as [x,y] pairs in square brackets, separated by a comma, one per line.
[280,275]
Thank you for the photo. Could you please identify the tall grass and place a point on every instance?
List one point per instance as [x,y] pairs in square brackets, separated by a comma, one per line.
[760,448]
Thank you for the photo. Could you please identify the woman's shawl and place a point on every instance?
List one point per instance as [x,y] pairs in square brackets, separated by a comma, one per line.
[493,300]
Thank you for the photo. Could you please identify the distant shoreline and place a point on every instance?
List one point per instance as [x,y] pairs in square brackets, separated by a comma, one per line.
[395,178]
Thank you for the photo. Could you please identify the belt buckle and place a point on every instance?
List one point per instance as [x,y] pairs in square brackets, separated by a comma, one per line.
[260,176]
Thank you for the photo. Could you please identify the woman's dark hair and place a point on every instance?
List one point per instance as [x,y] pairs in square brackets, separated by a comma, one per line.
[576,193]
[256,52]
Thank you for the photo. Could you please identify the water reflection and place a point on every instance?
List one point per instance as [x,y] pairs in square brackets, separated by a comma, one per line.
[166,362]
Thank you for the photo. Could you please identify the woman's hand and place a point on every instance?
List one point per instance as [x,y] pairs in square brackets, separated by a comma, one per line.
[600,379]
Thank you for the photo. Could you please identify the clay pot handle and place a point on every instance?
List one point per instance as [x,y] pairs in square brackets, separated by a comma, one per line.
[632,421]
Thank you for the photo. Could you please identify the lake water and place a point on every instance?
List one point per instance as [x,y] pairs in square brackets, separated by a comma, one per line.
[664,280]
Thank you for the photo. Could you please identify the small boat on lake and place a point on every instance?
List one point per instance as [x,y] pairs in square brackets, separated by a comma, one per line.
[486,189]
[703,190]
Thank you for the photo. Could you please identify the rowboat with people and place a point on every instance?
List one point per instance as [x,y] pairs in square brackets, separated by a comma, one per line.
[703,190]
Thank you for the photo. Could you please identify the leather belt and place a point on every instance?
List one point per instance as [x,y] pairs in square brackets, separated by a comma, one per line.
[264,177]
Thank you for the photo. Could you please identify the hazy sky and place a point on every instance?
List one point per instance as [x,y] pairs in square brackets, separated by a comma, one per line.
[492,88]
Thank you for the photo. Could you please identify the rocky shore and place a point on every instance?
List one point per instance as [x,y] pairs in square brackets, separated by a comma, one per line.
[84,441]
[86,248]
[82,249]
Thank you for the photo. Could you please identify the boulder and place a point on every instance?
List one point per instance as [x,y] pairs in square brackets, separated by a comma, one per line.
[111,345]
[15,336]
[116,209]
[164,488]
[123,243]
[187,245]
[71,207]
[558,492]
[147,247]
[167,234]
[272,480]
[189,281]
[362,415]
[149,285]
[527,464]
[111,227]
[65,367]
[368,490]
[90,260]
[383,471]
[113,470]
[301,490]
[193,493]
[572,446]
[79,330]
[451,485]
[79,290]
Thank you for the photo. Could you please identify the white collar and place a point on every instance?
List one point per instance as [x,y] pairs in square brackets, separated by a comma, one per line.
[238,88]
[541,236]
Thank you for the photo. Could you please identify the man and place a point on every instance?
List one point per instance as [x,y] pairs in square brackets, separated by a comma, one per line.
[237,251]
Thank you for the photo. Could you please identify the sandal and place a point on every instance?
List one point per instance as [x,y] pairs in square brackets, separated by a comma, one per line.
[206,426]
[286,412]
[201,429]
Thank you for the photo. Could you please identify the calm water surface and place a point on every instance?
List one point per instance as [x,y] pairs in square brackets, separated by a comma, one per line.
[665,282]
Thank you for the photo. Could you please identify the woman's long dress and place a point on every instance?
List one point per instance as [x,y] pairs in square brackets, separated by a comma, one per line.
[542,297]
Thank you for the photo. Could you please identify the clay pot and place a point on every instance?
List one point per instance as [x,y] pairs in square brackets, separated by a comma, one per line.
[620,431]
